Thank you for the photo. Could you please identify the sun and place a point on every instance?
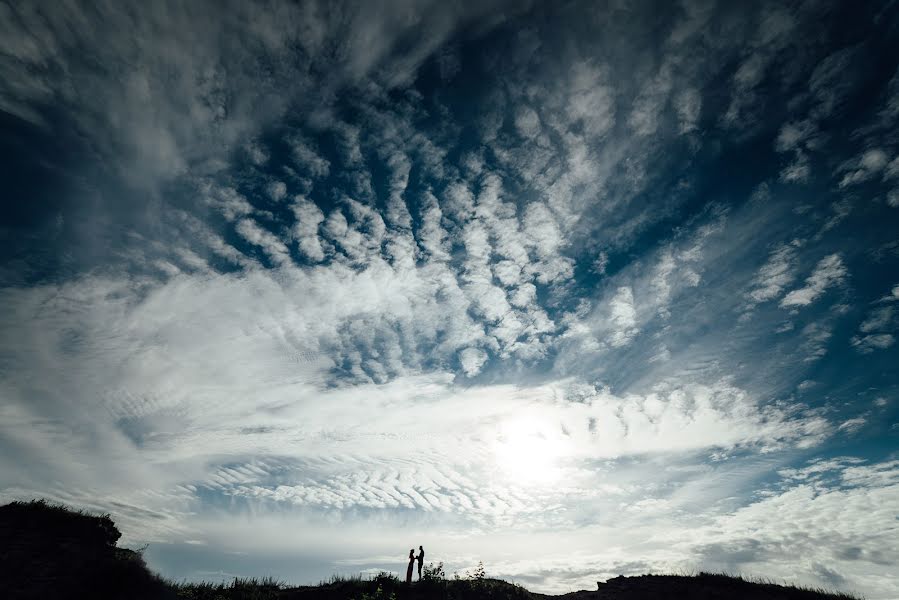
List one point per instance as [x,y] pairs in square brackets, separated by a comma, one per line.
[529,452]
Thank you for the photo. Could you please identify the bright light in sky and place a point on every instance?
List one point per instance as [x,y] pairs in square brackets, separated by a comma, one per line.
[291,287]
[529,452]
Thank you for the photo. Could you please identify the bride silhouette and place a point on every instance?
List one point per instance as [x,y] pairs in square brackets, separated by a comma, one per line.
[411,562]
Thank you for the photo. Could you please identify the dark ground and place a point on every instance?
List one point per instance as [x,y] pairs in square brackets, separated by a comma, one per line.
[50,552]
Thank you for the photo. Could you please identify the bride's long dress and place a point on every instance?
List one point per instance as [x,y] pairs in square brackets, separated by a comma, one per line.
[409,570]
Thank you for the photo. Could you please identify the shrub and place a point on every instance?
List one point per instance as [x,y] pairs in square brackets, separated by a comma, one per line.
[378,594]
[433,573]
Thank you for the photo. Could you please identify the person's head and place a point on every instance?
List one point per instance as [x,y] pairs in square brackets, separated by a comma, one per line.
[411,551]
[420,548]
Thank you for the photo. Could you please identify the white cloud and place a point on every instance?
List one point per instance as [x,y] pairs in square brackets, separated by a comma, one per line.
[542,230]
[226,200]
[196,87]
[792,134]
[277,190]
[776,274]
[852,426]
[472,360]
[871,163]
[815,338]
[622,317]
[829,272]
[309,217]
[893,198]
[874,341]
[800,138]
[816,510]
[269,242]
[877,320]
[828,89]
[527,122]
[432,236]
[798,171]
[590,102]
[235,401]
[601,262]
[876,332]
[892,170]
[648,105]
[307,159]
[806,384]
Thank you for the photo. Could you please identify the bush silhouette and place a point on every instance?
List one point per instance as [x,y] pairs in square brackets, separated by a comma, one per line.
[49,551]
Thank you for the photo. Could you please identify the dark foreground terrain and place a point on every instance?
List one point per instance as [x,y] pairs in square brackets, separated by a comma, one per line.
[50,552]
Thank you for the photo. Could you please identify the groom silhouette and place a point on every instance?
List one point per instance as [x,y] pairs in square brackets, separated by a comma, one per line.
[421,560]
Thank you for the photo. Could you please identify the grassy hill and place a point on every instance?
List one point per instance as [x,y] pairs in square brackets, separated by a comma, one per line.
[50,552]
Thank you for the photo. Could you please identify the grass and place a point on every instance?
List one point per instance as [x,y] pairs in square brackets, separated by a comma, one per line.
[714,585]
[696,586]
[249,588]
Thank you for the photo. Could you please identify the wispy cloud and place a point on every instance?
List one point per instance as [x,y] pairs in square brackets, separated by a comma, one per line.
[829,271]
[776,274]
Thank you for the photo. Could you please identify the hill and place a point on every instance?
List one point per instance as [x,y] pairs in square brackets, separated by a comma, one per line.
[54,553]
[49,551]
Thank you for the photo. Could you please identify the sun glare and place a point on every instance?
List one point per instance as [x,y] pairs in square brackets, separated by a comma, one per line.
[528,451]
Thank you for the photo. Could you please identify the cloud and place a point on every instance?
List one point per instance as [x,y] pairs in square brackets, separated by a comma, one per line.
[272,245]
[793,134]
[527,122]
[815,339]
[797,171]
[877,320]
[776,274]
[871,163]
[876,332]
[649,103]
[277,444]
[875,341]
[187,97]
[688,104]
[277,190]
[774,31]
[893,198]
[308,218]
[306,158]
[622,317]
[829,88]
[346,307]
[226,200]
[829,84]
[829,272]
[837,489]
[472,360]
[852,426]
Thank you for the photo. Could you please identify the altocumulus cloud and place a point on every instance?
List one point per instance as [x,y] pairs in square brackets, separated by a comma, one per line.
[289,288]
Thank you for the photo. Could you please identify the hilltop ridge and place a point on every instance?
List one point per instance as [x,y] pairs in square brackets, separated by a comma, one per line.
[51,552]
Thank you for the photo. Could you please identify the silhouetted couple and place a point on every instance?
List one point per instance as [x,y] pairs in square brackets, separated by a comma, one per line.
[412,558]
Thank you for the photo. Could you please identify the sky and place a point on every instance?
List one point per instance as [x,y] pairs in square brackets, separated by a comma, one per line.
[576,289]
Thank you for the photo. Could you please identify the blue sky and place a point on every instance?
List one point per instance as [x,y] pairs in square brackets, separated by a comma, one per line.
[575,291]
